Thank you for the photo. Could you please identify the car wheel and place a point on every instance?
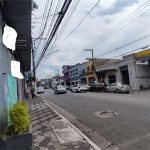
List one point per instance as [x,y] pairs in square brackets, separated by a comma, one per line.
[77,91]
[127,92]
[71,91]
[117,91]
[85,91]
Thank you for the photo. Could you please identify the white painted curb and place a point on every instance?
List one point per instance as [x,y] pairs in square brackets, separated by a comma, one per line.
[76,129]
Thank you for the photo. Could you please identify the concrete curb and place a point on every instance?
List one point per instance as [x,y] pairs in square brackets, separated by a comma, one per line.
[76,129]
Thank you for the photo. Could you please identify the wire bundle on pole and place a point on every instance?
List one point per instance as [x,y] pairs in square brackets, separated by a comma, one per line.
[57,23]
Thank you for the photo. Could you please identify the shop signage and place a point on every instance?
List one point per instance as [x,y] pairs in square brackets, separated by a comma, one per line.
[15,69]
[9,37]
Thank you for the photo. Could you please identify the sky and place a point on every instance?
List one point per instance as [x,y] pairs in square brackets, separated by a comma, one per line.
[97,25]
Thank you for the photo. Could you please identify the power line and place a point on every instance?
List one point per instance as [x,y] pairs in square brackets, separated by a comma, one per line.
[121,28]
[44,25]
[53,19]
[41,32]
[57,23]
[82,52]
[130,43]
[65,23]
[116,31]
[125,54]
[79,23]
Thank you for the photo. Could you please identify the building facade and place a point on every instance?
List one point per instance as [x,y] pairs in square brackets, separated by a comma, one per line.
[91,75]
[82,74]
[74,74]
[66,72]
[129,70]
[12,89]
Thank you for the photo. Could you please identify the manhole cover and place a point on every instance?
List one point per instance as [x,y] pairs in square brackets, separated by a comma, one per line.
[106,113]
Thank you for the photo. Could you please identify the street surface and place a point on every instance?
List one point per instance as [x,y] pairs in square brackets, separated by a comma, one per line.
[130,130]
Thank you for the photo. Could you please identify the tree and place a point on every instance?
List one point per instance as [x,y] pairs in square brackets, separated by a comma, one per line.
[34,6]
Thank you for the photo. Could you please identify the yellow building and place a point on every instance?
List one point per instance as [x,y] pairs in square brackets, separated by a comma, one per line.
[91,75]
[90,78]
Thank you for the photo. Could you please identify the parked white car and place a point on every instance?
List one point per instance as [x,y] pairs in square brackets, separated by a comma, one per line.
[87,86]
[78,88]
[118,88]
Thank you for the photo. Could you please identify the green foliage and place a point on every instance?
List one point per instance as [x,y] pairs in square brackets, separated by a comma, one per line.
[19,118]
[34,6]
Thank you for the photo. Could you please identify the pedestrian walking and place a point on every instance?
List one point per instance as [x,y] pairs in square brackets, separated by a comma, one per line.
[32,92]
[27,92]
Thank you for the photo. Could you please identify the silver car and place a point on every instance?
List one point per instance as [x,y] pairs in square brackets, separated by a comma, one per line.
[60,89]
[118,88]
[40,90]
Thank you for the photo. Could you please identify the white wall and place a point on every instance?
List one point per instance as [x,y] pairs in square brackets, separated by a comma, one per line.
[142,71]
[143,75]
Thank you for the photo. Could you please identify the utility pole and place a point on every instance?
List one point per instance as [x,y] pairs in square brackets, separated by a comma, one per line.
[93,67]
[58,75]
[34,72]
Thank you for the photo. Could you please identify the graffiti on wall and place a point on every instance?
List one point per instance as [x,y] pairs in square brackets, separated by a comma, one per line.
[10,90]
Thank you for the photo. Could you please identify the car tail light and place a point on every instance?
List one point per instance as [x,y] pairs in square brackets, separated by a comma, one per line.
[122,86]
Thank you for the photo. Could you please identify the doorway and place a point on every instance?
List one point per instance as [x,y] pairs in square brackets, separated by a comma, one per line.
[125,74]
[112,78]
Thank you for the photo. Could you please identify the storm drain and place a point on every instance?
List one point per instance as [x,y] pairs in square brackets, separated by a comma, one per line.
[106,113]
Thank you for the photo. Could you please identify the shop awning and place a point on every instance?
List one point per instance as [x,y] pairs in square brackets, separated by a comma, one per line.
[144,55]
[17,15]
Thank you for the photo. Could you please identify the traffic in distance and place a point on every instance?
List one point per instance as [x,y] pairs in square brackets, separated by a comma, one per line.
[116,87]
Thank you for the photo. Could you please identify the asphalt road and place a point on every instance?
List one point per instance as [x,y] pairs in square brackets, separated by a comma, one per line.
[130,130]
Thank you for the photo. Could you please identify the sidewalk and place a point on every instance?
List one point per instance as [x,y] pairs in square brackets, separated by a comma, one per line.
[52,132]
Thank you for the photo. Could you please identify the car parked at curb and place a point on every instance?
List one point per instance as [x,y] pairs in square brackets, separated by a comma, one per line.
[87,86]
[97,87]
[60,89]
[40,90]
[118,88]
[68,87]
[78,88]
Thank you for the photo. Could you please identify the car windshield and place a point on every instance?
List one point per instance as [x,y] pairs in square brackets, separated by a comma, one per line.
[60,86]
[39,88]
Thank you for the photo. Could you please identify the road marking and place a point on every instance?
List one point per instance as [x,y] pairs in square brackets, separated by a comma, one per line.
[76,129]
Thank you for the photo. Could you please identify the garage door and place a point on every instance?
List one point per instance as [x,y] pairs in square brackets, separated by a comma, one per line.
[91,80]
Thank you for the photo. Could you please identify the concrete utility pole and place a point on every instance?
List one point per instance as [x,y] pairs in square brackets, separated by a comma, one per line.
[58,75]
[34,72]
[93,68]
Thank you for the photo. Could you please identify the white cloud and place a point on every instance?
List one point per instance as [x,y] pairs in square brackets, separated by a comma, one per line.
[93,28]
